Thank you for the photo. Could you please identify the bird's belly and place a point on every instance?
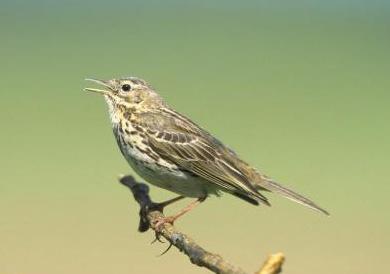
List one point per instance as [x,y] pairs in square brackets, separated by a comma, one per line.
[174,180]
[160,173]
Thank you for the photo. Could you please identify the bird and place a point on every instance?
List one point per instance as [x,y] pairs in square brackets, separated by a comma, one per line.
[172,152]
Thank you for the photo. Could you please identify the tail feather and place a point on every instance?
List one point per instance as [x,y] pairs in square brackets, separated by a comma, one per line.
[289,194]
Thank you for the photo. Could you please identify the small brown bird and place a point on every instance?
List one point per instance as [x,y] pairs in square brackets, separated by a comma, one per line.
[170,151]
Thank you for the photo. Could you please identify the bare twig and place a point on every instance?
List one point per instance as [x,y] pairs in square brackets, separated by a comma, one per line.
[150,214]
[273,264]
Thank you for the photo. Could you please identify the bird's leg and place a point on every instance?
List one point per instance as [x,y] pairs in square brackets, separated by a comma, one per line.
[173,218]
[160,207]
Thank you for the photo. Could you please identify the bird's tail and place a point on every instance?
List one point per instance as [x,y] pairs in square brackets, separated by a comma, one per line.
[272,186]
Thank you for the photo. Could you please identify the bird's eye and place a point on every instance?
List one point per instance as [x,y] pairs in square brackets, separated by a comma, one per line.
[126,87]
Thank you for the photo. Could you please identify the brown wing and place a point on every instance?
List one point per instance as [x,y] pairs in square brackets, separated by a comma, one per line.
[178,140]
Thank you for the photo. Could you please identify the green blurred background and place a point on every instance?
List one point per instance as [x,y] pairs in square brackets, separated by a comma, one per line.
[299,88]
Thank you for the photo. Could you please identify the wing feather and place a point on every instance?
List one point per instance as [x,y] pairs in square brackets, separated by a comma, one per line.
[197,153]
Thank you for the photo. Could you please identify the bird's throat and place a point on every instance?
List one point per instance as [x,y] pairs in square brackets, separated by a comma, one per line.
[112,110]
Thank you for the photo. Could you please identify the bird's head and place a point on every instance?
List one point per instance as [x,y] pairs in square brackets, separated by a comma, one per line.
[129,92]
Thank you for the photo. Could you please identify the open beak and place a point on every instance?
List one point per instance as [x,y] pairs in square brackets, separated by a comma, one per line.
[100,82]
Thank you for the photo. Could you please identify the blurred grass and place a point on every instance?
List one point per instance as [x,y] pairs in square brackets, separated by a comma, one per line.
[300,90]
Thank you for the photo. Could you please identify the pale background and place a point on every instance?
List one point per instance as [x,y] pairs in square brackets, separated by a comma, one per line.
[300,89]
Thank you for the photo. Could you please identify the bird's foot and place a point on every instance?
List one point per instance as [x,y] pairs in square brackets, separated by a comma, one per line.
[159,224]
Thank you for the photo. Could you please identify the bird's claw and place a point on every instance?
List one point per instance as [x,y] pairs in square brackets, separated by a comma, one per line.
[158,225]
[157,238]
[166,250]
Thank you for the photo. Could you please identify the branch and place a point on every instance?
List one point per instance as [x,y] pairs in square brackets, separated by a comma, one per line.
[150,214]
[273,264]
